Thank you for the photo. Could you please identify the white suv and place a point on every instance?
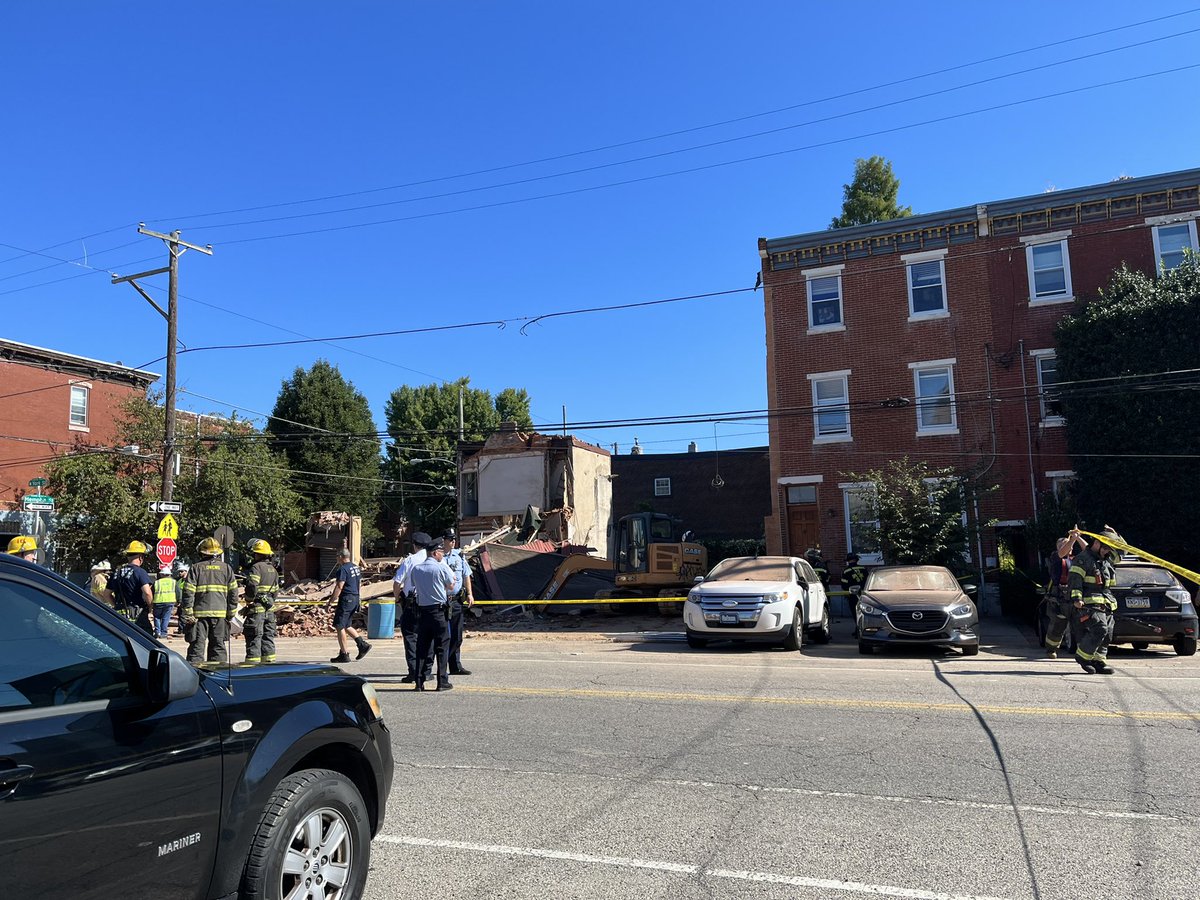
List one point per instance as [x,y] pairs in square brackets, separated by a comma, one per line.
[765,599]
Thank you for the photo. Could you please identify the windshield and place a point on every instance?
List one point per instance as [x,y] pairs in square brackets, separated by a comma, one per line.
[911,580]
[746,568]
[1150,576]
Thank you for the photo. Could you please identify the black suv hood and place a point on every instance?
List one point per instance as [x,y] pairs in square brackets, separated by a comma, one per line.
[242,671]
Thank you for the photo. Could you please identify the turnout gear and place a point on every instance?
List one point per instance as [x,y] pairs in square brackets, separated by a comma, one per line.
[210,598]
[1090,582]
[209,547]
[262,584]
[136,548]
[819,565]
[22,544]
[1062,608]
[853,578]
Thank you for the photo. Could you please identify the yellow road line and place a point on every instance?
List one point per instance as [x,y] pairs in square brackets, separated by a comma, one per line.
[895,705]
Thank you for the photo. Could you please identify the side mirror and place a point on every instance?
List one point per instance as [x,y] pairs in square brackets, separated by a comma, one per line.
[698,579]
[169,677]
[970,590]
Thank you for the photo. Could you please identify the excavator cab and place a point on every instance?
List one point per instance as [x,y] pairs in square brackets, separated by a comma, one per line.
[634,536]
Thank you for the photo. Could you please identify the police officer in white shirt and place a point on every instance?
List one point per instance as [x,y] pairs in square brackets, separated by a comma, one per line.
[407,601]
[434,582]
[460,599]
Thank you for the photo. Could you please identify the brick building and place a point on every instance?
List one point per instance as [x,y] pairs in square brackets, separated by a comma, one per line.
[723,495]
[933,337]
[50,403]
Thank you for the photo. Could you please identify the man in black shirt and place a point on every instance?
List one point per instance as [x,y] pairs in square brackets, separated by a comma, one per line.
[346,597]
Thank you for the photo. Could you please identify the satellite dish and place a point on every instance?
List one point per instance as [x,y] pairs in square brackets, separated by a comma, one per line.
[225,537]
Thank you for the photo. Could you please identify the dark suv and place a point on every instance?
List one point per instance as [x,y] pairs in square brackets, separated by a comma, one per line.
[126,772]
[1153,608]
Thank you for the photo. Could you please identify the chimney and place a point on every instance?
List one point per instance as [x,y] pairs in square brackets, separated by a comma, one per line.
[636,450]
[692,448]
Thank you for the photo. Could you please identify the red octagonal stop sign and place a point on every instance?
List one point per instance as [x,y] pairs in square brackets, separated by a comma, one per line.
[165,551]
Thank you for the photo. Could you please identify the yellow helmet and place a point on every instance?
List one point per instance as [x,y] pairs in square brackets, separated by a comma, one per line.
[209,547]
[136,548]
[259,546]
[21,544]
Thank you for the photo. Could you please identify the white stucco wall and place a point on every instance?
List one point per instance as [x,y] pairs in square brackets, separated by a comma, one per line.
[591,498]
[510,482]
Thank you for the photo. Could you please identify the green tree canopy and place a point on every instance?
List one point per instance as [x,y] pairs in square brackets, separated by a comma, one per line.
[422,423]
[337,463]
[871,196]
[1125,421]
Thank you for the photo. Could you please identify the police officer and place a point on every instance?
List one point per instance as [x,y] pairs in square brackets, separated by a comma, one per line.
[24,546]
[262,583]
[407,601]
[1091,579]
[210,599]
[166,595]
[853,578]
[433,582]
[813,555]
[462,596]
[1058,593]
[346,597]
[130,584]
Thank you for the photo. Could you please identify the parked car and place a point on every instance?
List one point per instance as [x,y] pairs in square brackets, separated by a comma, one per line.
[763,599]
[126,772]
[1153,607]
[916,605]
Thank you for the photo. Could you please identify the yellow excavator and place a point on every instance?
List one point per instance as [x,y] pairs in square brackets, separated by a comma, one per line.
[651,561]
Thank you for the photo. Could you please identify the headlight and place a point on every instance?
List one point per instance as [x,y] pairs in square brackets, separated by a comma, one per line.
[962,611]
[372,700]
[775,597]
[869,610]
[693,597]
[1177,596]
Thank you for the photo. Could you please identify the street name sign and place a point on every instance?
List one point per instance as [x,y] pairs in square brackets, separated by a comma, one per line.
[37,503]
[164,506]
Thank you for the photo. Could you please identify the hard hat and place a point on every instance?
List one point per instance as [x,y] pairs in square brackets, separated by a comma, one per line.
[1110,532]
[812,551]
[103,566]
[136,548]
[851,556]
[164,570]
[183,568]
[22,543]
[209,547]
[258,546]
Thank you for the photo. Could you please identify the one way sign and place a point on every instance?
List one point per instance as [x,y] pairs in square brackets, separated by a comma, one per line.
[164,506]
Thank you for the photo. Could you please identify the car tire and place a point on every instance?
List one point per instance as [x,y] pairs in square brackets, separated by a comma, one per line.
[970,650]
[823,633]
[866,648]
[1141,645]
[308,808]
[1185,646]
[795,638]
[696,643]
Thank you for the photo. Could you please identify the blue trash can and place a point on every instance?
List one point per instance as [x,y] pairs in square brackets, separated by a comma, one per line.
[381,619]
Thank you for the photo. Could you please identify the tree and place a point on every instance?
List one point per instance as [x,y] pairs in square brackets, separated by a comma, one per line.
[871,196]
[338,462]
[919,512]
[422,423]
[1131,431]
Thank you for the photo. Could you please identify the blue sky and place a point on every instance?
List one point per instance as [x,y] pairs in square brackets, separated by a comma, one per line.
[120,113]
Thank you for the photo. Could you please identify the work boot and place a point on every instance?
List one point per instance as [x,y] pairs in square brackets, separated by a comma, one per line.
[1102,667]
[342,657]
[460,671]
[419,686]
[1052,653]
[363,648]
[444,686]
[408,679]
[1086,666]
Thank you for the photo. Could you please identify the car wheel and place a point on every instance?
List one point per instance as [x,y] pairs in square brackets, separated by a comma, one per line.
[970,650]
[795,638]
[1185,646]
[1141,645]
[696,643]
[823,633]
[313,840]
[866,648]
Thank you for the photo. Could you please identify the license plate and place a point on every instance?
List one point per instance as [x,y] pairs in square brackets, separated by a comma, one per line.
[729,618]
[1137,602]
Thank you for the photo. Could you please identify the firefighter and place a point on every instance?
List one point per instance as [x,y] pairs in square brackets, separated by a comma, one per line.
[813,555]
[1058,594]
[262,583]
[853,578]
[133,596]
[210,599]
[24,546]
[1091,578]
[98,582]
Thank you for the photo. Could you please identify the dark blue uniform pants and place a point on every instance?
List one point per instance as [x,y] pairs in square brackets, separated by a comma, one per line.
[454,620]
[408,630]
[431,641]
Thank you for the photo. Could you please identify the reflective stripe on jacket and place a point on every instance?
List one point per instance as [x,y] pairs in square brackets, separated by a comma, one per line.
[210,590]
[261,586]
[1091,579]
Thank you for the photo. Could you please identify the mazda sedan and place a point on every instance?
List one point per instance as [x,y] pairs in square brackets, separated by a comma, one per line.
[916,605]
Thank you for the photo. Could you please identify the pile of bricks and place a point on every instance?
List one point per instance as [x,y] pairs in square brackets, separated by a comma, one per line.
[311,617]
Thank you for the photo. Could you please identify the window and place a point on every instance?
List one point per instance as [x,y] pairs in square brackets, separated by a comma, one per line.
[831,410]
[1062,484]
[662,487]
[1049,272]
[802,493]
[933,383]
[862,521]
[79,405]
[1047,378]
[825,299]
[806,573]
[1171,242]
[926,273]
[54,655]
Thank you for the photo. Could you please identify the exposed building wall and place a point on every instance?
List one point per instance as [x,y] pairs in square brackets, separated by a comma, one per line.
[510,482]
[591,498]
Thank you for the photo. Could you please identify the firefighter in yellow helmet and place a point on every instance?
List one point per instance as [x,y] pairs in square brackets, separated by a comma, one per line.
[131,587]
[262,583]
[24,546]
[209,600]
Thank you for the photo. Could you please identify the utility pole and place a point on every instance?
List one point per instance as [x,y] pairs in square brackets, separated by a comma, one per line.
[176,248]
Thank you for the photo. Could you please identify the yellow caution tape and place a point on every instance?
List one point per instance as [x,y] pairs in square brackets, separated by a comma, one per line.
[1149,557]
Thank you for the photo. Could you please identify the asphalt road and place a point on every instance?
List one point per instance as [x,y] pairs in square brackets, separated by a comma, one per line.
[575,768]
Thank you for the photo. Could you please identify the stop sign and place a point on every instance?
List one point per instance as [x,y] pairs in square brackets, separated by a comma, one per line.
[165,551]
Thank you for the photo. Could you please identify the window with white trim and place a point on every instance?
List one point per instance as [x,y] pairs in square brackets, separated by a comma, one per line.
[1047,377]
[831,406]
[1062,484]
[1049,271]
[802,493]
[862,521]
[825,301]
[79,405]
[933,384]
[1172,242]
[662,487]
[927,288]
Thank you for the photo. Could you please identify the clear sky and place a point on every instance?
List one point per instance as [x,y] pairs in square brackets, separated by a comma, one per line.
[182,115]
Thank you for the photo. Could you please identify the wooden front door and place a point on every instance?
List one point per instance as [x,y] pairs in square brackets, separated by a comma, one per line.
[802,528]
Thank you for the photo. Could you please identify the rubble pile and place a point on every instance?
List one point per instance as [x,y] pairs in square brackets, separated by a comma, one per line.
[311,617]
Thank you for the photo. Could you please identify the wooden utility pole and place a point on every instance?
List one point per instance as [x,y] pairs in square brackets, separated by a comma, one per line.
[175,248]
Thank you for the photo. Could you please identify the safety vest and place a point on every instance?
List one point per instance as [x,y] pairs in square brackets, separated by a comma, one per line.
[164,590]
[210,590]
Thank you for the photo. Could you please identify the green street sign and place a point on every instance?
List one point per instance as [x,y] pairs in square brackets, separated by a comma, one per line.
[37,482]
[38,498]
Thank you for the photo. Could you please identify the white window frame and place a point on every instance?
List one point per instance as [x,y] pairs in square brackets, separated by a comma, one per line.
[662,487]
[849,487]
[1157,222]
[812,275]
[919,367]
[911,259]
[1042,240]
[86,390]
[962,494]
[842,375]
[1059,479]
[1047,421]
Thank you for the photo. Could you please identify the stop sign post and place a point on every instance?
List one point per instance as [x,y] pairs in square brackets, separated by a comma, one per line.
[165,551]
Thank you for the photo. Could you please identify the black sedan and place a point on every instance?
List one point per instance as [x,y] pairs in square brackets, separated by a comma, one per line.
[916,605]
[1153,607]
